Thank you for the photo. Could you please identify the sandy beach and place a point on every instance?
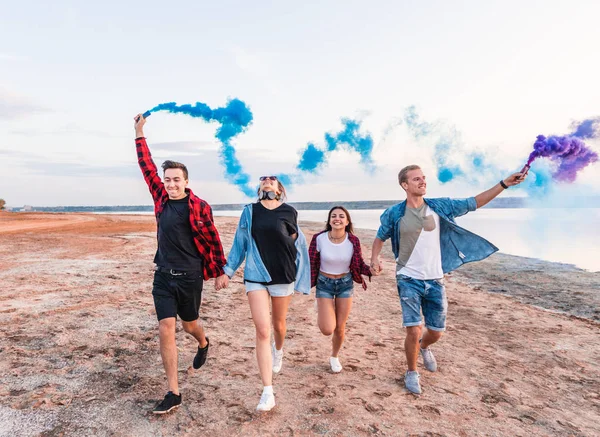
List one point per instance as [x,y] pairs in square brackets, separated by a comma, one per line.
[79,347]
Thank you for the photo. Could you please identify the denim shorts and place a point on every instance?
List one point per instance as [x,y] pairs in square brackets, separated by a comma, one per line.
[275,290]
[428,296]
[330,288]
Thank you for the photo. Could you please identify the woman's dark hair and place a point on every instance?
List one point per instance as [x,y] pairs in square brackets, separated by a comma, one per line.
[349,227]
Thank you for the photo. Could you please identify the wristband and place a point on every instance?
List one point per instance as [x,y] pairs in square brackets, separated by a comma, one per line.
[503,185]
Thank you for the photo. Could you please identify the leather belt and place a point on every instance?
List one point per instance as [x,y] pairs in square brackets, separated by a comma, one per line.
[173,272]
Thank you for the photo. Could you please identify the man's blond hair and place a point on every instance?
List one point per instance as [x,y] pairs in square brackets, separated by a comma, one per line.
[403,175]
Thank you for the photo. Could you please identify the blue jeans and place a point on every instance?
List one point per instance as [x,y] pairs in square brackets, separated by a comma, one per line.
[428,296]
[339,288]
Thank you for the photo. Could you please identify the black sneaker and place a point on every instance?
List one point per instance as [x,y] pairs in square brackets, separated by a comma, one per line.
[201,355]
[170,402]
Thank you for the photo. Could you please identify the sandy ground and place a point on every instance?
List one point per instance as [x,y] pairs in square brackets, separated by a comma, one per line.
[79,347]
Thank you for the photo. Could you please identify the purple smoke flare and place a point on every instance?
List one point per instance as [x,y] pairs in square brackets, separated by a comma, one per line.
[586,129]
[571,154]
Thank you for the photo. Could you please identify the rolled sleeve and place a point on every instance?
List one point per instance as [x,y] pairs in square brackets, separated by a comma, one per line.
[462,206]
[385,229]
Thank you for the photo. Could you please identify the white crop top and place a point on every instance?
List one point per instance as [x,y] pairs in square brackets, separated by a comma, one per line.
[335,258]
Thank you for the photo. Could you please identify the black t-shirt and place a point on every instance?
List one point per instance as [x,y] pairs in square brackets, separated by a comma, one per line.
[176,247]
[272,231]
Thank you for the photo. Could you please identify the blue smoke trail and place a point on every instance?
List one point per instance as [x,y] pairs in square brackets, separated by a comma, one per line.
[312,158]
[234,118]
[446,145]
[417,127]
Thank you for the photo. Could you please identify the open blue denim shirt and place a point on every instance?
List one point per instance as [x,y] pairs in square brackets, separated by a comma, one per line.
[244,246]
[458,246]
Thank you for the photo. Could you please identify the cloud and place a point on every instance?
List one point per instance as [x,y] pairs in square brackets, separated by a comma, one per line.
[191,147]
[256,65]
[68,129]
[12,58]
[13,106]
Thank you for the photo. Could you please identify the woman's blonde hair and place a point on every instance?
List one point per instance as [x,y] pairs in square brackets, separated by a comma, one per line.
[282,196]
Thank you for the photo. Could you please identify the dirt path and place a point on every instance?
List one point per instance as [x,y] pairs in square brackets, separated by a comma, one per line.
[79,353]
[10,223]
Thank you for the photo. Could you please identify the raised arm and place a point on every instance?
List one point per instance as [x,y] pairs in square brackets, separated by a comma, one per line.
[485,197]
[145,161]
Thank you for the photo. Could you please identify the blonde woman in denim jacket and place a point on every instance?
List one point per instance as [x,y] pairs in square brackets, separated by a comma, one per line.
[277,263]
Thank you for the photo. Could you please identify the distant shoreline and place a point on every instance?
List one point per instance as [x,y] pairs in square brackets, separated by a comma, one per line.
[498,203]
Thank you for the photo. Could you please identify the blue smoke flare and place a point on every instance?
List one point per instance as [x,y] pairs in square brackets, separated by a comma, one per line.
[312,158]
[234,118]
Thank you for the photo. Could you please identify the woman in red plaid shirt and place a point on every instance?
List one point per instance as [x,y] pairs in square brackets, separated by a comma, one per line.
[335,261]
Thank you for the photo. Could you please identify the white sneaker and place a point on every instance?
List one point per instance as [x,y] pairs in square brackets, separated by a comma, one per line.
[336,366]
[267,402]
[277,358]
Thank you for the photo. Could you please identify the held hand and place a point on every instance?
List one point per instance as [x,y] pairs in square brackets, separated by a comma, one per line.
[221,282]
[139,122]
[515,179]
[376,267]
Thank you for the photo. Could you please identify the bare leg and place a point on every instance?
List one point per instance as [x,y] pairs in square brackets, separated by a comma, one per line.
[168,351]
[279,309]
[196,330]
[430,337]
[326,315]
[342,311]
[411,346]
[259,307]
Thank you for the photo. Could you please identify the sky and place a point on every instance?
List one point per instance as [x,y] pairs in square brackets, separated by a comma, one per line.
[495,74]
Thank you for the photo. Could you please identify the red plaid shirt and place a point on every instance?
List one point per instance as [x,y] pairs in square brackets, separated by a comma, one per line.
[204,232]
[358,266]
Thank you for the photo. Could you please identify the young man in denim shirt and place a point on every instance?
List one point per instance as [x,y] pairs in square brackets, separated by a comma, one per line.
[427,243]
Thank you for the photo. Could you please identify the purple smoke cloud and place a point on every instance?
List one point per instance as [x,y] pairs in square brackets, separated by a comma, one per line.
[569,152]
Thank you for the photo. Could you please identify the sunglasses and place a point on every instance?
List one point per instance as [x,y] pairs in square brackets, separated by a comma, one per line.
[264,178]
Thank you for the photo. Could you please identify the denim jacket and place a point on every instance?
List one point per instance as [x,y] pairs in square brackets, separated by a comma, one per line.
[458,246]
[244,246]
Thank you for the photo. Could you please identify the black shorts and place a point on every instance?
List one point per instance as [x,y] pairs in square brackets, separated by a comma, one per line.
[177,295]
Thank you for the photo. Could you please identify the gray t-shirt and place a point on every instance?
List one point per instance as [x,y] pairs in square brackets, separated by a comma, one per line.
[419,256]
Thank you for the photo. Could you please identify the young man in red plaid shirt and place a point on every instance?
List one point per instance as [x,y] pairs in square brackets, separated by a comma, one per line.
[189,252]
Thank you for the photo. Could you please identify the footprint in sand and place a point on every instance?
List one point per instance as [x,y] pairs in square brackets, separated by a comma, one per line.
[357,401]
[371,355]
[382,393]
[322,410]
[373,408]
[209,386]
[346,387]
[352,361]
[369,377]
[316,394]
[238,414]
[428,409]
[370,407]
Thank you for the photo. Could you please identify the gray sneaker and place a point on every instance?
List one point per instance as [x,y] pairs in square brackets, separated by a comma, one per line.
[411,382]
[428,359]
